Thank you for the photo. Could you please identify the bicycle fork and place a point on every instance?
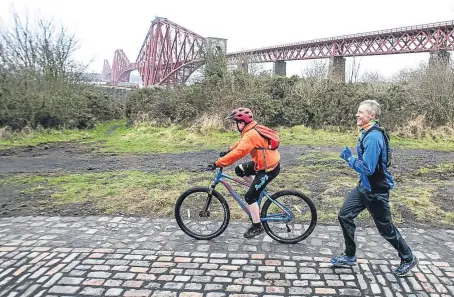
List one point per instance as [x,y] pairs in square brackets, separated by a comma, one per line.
[205,213]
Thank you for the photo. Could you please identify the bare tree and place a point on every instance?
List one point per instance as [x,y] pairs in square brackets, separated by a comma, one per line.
[353,70]
[40,80]
[317,69]
[40,47]
[256,69]
[372,77]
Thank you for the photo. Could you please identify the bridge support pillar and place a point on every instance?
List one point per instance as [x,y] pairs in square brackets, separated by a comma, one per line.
[216,46]
[336,69]
[439,59]
[280,68]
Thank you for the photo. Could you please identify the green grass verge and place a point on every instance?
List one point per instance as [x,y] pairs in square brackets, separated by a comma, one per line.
[46,136]
[149,139]
[125,192]
[421,201]
[129,192]
[114,136]
[154,194]
[446,168]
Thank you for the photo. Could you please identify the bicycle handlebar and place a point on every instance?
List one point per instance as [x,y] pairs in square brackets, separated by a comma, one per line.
[212,168]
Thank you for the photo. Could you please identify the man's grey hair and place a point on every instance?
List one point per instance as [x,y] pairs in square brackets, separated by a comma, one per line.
[372,106]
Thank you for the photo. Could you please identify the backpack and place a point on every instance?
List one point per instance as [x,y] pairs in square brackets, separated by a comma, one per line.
[389,151]
[269,134]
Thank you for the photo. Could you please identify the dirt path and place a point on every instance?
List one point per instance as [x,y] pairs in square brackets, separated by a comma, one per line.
[73,157]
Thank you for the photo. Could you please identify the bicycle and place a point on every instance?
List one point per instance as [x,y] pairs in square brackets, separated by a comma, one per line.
[280,213]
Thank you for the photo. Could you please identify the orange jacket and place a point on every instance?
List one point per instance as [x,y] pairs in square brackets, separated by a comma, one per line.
[249,142]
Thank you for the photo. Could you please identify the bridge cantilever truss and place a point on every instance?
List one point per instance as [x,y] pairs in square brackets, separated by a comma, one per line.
[106,72]
[120,70]
[170,53]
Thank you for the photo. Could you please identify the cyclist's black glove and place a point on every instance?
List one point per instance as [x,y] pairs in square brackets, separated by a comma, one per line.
[212,166]
[222,154]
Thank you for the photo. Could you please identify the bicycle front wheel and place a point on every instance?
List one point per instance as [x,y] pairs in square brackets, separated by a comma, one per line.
[286,228]
[192,218]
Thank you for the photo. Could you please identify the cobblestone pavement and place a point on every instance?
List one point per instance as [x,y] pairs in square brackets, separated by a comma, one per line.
[118,256]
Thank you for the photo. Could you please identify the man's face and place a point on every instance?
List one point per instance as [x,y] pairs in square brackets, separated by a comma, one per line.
[364,115]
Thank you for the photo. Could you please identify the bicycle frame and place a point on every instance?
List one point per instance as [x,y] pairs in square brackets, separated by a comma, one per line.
[221,178]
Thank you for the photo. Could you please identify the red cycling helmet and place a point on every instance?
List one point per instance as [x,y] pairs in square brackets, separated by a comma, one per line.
[241,115]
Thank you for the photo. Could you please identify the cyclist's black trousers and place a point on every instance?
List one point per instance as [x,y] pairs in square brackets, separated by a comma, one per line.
[262,178]
[378,206]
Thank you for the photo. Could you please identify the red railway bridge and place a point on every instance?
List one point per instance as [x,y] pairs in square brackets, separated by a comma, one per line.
[170,53]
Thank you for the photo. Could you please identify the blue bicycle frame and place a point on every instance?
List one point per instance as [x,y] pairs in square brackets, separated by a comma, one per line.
[221,178]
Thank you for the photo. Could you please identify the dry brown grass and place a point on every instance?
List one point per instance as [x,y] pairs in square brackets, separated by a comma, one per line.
[8,133]
[209,123]
[5,133]
[144,119]
[418,128]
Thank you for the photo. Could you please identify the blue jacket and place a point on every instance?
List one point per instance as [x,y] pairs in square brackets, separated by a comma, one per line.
[366,164]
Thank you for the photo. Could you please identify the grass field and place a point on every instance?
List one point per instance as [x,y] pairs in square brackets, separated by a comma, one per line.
[115,136]
[422,195]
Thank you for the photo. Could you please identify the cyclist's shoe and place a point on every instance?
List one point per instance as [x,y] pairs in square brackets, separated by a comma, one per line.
[405,267]
[254,231]
[343,260]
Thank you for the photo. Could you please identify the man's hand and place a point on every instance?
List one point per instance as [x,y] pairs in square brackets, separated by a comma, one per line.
[212,166]
[346,154]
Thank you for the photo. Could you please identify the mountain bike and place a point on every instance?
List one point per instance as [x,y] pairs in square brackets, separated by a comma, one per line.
[203,213]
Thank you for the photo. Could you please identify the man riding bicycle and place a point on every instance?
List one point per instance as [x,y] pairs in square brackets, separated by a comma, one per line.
[265,164]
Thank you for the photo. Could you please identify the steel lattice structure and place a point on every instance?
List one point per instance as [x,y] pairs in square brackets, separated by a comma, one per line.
[121,67]
[106,72]
[424,38]
[169,53]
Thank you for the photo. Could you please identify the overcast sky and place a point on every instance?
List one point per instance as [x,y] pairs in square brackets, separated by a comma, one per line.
[103,26]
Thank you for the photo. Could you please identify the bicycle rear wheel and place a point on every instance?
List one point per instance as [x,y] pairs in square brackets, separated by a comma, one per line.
[297,227]
[190,216]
